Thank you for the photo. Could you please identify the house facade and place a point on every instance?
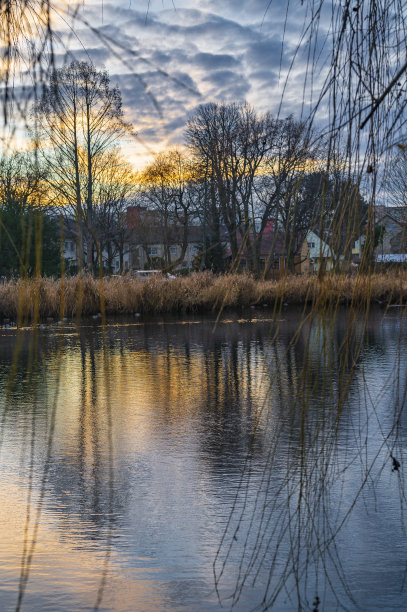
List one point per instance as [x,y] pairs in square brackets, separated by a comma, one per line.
[390,234]
[153,254]
[144,247]
[321,256]
[274,258]
[178,248]
[111,259]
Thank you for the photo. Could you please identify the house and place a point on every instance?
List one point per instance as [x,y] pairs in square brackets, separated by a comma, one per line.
[150,251]
[321,256]
[390,235]
[140,244]
[155,246]
[70,242]
[357,249]
[392,222]
[147,245]
[273,253]
[110,257]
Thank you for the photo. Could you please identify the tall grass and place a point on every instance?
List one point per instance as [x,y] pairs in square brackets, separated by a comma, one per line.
[83,295]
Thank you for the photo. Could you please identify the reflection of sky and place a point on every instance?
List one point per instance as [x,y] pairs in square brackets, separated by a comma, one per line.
[183,402]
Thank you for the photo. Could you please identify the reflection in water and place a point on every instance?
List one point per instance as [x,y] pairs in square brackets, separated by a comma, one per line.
[163,452]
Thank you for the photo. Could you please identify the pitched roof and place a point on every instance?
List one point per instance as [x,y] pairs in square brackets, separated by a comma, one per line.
[397,213]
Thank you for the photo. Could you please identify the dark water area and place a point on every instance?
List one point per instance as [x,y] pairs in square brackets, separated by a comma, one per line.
[187,465]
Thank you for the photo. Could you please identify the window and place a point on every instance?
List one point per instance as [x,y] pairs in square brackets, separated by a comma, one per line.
[153,250]
[311,245]
[173,250]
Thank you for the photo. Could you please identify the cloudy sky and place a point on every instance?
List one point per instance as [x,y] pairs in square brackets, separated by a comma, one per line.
[168,56]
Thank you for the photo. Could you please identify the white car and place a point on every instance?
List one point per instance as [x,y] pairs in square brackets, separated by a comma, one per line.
[146,274]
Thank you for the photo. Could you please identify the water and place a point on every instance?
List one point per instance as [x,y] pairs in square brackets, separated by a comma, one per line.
[141,460]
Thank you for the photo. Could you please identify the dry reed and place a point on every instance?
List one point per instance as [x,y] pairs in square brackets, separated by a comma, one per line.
[83,295]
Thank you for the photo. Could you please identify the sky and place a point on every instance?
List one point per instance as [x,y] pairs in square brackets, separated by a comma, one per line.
[169,56]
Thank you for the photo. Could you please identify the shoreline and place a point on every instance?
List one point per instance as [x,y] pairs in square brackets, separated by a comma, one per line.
[82,295]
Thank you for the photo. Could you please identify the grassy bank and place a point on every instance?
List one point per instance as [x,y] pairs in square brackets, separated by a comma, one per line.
[83,295]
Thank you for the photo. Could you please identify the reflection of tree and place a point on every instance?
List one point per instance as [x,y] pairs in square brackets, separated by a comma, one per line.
[289,529]
[78,476]
[280,399]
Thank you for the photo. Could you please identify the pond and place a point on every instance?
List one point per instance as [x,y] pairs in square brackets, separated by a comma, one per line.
[186,464]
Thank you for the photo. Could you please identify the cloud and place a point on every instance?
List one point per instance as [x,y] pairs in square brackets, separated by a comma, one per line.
[195,53]
[97,55]
[265,52]
[210,61]
[227,86]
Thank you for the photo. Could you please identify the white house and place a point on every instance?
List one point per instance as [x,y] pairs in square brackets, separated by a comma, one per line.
[320,253]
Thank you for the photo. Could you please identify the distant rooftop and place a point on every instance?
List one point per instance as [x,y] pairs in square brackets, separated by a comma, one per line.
[398,213]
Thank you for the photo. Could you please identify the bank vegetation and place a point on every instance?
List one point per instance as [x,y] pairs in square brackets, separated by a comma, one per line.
[40,299]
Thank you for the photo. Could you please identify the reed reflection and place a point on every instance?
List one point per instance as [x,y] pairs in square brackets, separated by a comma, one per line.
[269,418]
[326,422]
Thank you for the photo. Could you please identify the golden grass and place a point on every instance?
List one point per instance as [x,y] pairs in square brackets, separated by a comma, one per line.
[27,300]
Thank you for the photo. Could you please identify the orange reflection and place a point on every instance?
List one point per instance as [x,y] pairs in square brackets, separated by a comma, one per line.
[63,566]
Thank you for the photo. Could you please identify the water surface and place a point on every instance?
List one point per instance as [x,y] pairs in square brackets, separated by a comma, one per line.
[144,459]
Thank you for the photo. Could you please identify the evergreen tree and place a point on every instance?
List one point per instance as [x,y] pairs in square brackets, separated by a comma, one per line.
[29,235]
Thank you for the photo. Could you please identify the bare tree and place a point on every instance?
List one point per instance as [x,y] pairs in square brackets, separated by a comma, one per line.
[231,142]
[206,210]
[253,167]
[78,119]
[166,193]
[113,189]
[294,152]
[396,180]
[22,180]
